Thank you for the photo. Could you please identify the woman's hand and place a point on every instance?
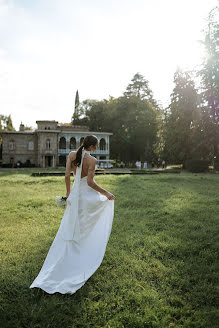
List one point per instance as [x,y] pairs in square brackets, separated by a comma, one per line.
[67,194]
[110,196]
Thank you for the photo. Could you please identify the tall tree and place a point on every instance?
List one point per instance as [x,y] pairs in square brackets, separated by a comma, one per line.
[9,123]
[139,87]
[181,116]
[210,81]
[134,129]
[76,114]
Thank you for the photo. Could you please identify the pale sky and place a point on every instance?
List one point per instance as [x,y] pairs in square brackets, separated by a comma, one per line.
[51,48]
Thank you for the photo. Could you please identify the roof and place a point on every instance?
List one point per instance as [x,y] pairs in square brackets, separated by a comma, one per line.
[57,131]
[47,121]
[17,132]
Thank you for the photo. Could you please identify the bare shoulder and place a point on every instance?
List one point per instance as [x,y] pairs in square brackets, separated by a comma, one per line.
[92,159]
[72,155]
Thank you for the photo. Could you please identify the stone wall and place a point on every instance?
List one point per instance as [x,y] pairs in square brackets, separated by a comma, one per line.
[20,152]
[44,150]
[47,125]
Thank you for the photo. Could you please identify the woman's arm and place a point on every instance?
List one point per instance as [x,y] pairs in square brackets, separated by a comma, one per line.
[68,174]
[91,183]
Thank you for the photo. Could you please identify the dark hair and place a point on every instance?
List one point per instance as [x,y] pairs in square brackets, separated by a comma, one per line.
[90,140]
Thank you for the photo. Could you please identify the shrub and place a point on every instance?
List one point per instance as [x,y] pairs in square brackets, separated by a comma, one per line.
[216,165]
[8,165]
[196,165]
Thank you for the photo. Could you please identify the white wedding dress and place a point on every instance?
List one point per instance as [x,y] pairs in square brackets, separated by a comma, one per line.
[80,243]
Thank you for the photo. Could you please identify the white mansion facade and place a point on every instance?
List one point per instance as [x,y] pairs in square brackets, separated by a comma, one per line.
[49,144]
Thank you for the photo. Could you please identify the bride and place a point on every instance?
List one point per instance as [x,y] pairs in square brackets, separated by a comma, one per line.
[80,243]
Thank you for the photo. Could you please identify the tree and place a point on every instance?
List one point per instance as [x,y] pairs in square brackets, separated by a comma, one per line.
[5,124]
[134,129]
[26,127]
[76,115]
[132,118]
[181,119]
[9,123]
[210,82]
[139,87]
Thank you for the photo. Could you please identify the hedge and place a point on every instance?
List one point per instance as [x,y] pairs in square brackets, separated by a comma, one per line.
[196,165]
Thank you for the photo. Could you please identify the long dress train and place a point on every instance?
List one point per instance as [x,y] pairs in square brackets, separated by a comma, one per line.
[80,243]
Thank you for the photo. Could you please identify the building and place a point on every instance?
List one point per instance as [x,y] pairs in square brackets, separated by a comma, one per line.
[49,144]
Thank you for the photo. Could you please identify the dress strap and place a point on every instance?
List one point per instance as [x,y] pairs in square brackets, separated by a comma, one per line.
[78,169]
[71,227]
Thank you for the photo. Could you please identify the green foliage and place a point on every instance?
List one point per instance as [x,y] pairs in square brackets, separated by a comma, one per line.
[209,74]
[139,87]
[191,124]
[6,123]
[160,269]
[76,115]
[134,130]
[196,166]
[134,119]
[26,127]
[216,164]
[181,120]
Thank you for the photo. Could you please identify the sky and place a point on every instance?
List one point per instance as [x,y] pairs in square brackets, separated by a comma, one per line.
[49,49]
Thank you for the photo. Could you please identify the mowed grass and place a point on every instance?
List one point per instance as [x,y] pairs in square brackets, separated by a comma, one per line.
[161,264]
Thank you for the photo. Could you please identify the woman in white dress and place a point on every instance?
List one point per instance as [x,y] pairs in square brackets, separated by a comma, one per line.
[80,243]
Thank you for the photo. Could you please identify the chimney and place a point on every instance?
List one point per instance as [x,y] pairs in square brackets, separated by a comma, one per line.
[21,127]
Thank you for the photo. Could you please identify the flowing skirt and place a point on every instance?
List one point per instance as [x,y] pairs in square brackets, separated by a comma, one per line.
[69,264]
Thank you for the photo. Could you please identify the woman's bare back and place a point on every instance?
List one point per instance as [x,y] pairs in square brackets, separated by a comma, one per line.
[88,159]
[88,169]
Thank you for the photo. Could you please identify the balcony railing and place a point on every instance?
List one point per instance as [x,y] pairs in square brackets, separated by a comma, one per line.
[96,152]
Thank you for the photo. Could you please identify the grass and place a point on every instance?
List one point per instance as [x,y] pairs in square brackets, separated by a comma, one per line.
[161,264]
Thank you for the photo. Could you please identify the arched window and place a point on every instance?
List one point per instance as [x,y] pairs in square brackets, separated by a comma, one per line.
[62,143]
[47,143]
[11,145]
[102,144]
[81,141]
[30,145]
[72,143]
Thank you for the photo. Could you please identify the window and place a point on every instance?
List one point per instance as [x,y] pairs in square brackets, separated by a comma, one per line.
[62,143]
[48,144]
[102,144]
[11,145]
[72,143]
[30,145]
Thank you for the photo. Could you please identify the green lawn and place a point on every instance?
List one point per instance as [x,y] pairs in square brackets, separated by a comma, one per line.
[161,264]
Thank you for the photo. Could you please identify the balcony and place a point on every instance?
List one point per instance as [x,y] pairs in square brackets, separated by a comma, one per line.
[96,152]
